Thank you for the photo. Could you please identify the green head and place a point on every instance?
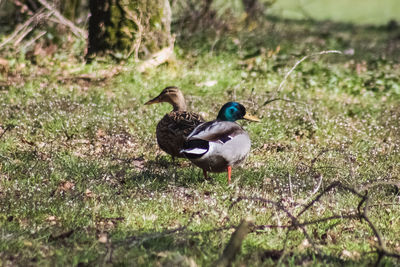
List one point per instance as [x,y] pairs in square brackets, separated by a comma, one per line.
[233,111]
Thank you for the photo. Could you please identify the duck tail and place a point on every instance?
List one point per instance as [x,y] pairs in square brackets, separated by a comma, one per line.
[196,148]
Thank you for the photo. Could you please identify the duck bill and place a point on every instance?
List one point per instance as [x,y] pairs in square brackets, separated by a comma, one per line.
[153,101]
[251,118]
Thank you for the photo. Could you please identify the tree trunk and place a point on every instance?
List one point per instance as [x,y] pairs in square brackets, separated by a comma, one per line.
[73,9]
[128,27]
[252,7]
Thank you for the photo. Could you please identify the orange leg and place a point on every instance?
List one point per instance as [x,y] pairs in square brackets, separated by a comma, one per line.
[205,174]
[229,174]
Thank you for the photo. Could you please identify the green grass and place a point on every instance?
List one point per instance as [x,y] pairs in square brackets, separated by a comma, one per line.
[355,11]
[79,164]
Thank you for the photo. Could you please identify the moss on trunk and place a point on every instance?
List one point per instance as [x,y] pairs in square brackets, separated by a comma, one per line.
[129,27]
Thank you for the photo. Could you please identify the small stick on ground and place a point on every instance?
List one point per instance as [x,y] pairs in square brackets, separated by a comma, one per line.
[4,131]
[235,243]
[157,59]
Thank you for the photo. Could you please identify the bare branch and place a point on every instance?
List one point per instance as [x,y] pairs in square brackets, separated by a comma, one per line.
[247,226]
[278,205]
[37,37]
[22,29]
[139,34]
[78,32]
[295,66]
[378,183]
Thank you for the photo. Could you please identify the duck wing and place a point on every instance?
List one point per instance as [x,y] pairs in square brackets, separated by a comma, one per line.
[216,131]
[198,142]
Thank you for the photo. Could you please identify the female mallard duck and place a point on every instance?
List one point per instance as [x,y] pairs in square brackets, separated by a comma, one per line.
[217,145]
[175,126]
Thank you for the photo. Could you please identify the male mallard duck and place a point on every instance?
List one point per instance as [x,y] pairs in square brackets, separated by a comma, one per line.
[217,145]
[175,126]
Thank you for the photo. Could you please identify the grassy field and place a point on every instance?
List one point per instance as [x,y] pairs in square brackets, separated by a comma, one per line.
[355,11]
[82,181]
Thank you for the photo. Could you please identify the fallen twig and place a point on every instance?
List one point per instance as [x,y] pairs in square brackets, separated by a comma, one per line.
[235,243]
[295,66]
[157,59]
[37,37]
[362,214]
[22,29]
[318,174]
[280,207]
[78,32]
[42,15]
[373,184]
[4,131]
[282,99]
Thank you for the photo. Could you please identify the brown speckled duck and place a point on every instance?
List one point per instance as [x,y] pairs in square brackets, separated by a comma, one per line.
[175,126]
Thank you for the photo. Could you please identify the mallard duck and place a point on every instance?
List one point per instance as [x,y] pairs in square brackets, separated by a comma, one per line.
[175,126]
[217,145]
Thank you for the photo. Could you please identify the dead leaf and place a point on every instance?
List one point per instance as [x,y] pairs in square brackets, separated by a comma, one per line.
[205,115]
[151,217]
[66,186]
[3,65]
[103,238]
[162,254]
[304,244]
[267,180]
[168,258]
[108,223]
[24,223]
[62,235]
[332,237]
[52,219]
[139,163]
[3,62]
[352,255]
[207,83]
[274,52]
[373,241]
[89,194]
[27,243]
[100,133]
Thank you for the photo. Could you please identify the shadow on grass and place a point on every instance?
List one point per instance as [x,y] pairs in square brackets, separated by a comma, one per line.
[163,170]
[159,246]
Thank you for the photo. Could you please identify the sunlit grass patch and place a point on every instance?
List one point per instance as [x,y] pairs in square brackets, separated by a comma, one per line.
[82,180]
